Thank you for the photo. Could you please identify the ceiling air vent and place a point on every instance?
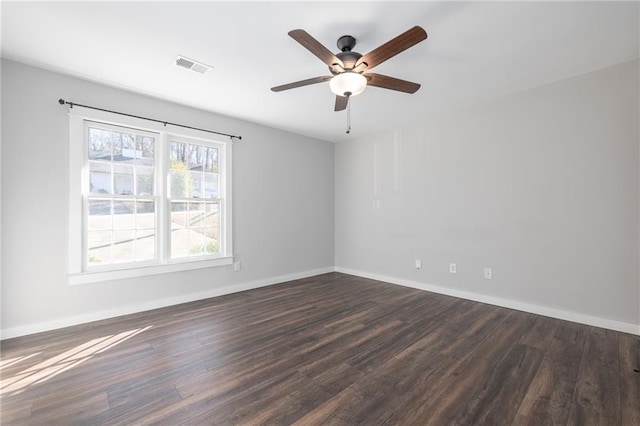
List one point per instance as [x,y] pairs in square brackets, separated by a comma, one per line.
[192,65]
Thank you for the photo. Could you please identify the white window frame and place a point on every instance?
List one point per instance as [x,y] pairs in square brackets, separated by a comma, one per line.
[78,272]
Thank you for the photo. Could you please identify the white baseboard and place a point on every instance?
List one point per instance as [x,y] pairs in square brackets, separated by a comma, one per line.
[624,327]
[219,291]
[161,303]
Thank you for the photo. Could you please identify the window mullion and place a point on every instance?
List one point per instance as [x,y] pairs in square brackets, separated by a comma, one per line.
[163,225]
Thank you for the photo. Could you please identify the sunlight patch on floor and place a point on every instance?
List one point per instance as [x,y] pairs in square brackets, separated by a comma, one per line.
[12,361]
[58,364]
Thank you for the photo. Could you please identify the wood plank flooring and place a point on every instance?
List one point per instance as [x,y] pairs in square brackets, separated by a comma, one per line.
[332,349]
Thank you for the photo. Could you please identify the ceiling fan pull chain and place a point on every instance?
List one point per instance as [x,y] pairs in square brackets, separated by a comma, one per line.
[348,115]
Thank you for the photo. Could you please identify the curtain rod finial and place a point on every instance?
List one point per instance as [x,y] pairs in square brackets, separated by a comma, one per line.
[61,101]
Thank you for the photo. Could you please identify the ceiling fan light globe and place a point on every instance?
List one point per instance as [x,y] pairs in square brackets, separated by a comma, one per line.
[348,84]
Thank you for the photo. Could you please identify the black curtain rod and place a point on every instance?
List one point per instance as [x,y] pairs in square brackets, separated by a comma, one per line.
[72,104]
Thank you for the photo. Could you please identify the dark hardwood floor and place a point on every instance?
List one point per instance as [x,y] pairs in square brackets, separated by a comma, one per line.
[332,349]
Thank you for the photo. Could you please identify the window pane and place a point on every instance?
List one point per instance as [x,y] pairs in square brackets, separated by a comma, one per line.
[123,147]
[179,229]
[212,228]
[196,215]
[211,162]
[123,246]
[145,234]
[212,246]
[179,179]
[99,247]
[99,177]
[145,217]
[145,150]
[211,185]
[202,238]
[116,140]
[179,243]
[127,154]
[144,180]
[179,215]
[179,183]
[197,185]
[123,179]
[145,245]
[196,157]
[197,242]
[99,144]
[179,153]
[211,215]
[123,214]
[99,215]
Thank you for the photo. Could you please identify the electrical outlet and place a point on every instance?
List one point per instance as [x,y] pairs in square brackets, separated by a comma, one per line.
[488,273]
[452,268]
[236,266]
[418,264]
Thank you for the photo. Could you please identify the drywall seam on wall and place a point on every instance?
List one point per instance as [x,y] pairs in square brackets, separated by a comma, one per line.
[505,303]
[131,309]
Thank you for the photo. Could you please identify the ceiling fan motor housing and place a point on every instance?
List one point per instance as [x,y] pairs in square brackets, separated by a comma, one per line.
[349,58]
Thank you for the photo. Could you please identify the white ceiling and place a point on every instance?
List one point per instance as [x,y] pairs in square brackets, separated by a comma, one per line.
[475,51]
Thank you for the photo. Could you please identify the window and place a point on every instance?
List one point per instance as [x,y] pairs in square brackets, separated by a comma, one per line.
[194,198]
[149,201]
[120,202]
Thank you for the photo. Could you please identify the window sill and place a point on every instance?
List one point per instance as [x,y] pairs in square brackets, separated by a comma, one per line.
[99,276]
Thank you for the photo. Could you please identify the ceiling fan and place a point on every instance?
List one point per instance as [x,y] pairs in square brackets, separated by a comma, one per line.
[350,70]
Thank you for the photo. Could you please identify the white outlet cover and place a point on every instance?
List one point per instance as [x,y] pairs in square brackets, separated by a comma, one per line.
[418,264]
[452,268]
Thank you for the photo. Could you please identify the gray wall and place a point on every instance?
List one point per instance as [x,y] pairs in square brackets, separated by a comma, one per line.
[542,186]
[283,205]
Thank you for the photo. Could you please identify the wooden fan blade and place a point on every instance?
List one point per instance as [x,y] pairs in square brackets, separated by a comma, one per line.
[392,83]
[341,103]
[315,47]
[301,83]
[394,46]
